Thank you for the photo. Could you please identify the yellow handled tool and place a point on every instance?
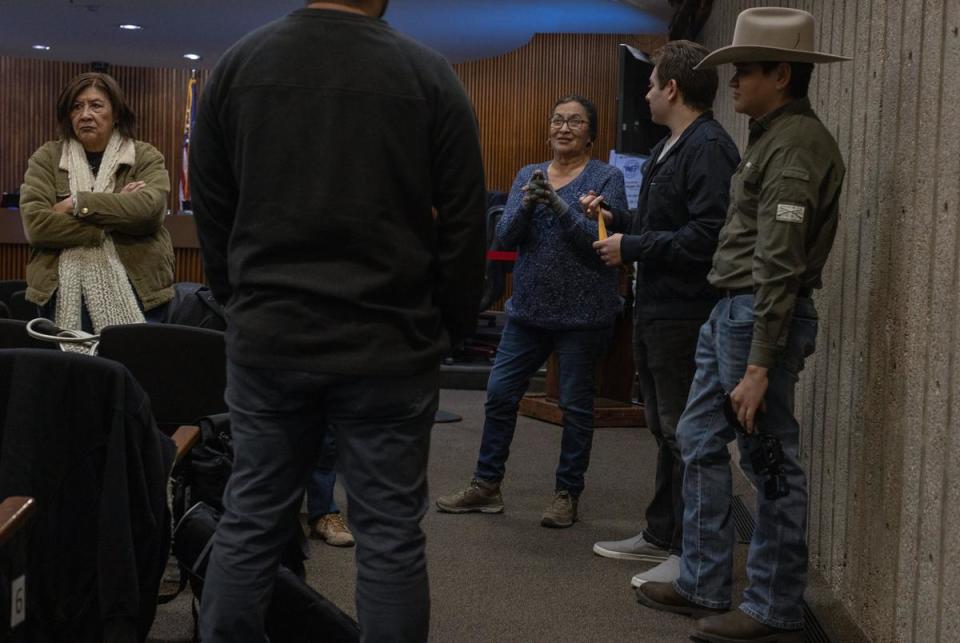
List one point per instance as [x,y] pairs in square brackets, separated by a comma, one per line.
[602,231]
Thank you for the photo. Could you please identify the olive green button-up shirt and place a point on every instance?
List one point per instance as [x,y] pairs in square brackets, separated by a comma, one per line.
[783,215]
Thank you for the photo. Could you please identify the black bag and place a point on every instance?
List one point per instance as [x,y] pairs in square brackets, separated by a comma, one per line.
[194,305]
[297,613]
[202,477]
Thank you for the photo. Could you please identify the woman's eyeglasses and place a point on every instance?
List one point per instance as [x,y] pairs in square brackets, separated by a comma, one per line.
[574,122]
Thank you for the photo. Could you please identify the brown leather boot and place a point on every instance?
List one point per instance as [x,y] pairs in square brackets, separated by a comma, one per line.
[662,596]
[737,627]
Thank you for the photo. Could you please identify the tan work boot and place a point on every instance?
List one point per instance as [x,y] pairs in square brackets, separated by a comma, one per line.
[562,512]
[481,496]
[331,529]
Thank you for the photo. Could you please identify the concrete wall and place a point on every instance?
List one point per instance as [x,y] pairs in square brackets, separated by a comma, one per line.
[880,401]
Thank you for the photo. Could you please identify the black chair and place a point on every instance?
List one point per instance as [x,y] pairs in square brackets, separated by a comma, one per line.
[10,286]
[4,311]
[77,435]
[182,369]
[22,309]
[483,344]
[497,268]
[13,334]
[15,513]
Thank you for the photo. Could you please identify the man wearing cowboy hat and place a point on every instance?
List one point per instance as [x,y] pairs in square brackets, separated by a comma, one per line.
[778,233]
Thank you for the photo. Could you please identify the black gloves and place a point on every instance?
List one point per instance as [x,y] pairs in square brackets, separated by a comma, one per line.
[539,190]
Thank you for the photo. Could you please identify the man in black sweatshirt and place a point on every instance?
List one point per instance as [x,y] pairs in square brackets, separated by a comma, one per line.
[339,196]
[680,211]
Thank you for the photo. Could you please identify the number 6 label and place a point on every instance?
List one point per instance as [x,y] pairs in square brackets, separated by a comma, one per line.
[18,598]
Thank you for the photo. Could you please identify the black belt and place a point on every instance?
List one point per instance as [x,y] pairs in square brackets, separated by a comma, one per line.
[803,292]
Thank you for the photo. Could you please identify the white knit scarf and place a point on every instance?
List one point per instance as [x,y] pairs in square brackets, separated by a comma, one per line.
[94,275]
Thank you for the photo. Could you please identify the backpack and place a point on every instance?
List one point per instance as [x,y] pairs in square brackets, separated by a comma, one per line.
[202,477]
[297,613]
[194,305]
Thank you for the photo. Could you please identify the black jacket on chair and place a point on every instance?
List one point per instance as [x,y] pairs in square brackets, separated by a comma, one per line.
[77,434]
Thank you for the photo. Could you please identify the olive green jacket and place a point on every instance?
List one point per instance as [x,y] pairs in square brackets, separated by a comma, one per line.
[783,215]
[134,221]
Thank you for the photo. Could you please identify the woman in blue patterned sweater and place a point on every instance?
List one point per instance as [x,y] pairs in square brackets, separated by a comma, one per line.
[564,300]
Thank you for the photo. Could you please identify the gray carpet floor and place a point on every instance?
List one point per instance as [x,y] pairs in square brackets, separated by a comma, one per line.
[504,577]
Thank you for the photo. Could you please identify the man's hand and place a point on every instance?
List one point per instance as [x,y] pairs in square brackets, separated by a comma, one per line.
[65,206]
[592,205]
[609,249]
[747,397]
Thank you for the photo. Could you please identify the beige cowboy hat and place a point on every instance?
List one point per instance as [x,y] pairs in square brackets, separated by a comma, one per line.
[775,34]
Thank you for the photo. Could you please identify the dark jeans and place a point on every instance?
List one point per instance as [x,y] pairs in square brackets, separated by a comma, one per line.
[523,349]
[278,420]
[322,481]
[664,351]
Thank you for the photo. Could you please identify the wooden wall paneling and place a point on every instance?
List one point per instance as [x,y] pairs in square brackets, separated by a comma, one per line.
[28,97]
[189,265]
[13,261]
[514,93]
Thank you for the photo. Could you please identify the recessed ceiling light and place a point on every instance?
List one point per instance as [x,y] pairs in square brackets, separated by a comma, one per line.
[42,47]
[131,27]
[192,56]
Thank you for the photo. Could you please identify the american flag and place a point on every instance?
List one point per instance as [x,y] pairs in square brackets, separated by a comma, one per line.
[189,118]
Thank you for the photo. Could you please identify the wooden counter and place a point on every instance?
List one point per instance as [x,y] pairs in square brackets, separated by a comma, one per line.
[14,250]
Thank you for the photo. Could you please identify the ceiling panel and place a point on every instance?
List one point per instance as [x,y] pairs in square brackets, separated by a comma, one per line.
[87,30]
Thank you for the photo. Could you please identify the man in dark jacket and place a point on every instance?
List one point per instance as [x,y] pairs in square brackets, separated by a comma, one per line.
[323,143]
[672,238]
[784,212]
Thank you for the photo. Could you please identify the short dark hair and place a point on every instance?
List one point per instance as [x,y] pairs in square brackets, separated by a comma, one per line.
[349,3]
[676,61]
[126,120]
[800,74]
[588,107]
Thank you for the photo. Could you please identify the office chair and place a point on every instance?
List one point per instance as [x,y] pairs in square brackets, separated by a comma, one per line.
[182,369]
[499,263]
[77,434]
[13,334]
[10,286]
[22,309]
[15,513]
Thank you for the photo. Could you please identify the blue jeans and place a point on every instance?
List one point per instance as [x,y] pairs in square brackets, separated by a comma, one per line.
[278,420]
[322,480]
[523,349]
[777,560]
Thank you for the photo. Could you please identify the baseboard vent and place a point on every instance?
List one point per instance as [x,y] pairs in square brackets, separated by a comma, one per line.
[744,523]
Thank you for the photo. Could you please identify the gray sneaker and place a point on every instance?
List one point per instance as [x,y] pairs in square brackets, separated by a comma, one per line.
[666,572]
[481,496]
[636,548]
[562,512]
